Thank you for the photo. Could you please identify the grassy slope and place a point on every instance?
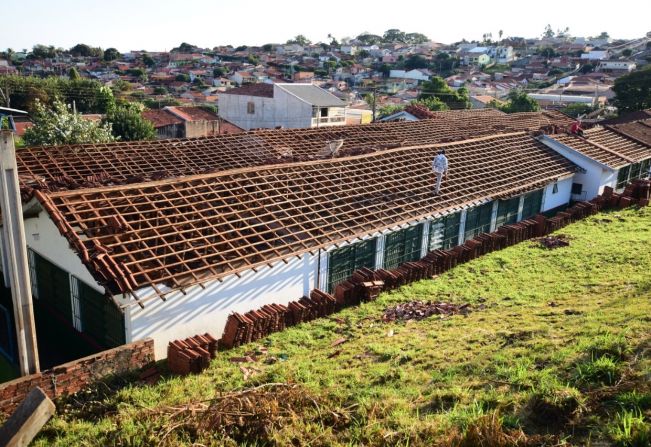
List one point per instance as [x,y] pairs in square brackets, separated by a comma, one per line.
[528,364]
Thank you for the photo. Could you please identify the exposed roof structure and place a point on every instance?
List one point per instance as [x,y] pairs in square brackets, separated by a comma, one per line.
[606,146]
[313,95]
[636,130]
[161,118]
[90,165]
[172,234]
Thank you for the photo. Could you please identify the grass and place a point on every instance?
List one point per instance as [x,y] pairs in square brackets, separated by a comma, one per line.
[558,354]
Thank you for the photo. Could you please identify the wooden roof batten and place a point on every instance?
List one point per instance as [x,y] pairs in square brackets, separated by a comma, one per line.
[178,233]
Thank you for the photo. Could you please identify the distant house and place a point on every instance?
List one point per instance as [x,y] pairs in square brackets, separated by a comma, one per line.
[616,66]
[243,77]
[281,105]
[186,122]
[482,101]
[415,74]
[595,55]
[303,76]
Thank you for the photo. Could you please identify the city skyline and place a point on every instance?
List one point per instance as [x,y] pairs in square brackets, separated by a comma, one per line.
[163,25]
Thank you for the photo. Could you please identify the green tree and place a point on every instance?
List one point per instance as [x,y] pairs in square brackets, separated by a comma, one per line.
[549,32]
[394,36]
[389,109]
[111,54]
[267,47]
[73,74]
[627,52]
[416,38]
[184,48]
[633,91]
[219,71]
[432,103]
[43,52]
[127,123]
[519,101]
[148,60]
[416,61]
[83,50]
[369,39]
[299,40]
[587,68]
[576,110]
[436,87]
[59,125]
[182,77]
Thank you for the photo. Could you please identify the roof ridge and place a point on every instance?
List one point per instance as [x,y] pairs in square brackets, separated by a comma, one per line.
[189,178]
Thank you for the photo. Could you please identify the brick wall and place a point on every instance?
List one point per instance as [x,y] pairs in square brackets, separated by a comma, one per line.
[71,377]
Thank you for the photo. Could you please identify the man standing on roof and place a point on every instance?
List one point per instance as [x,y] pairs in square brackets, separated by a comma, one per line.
[440,169]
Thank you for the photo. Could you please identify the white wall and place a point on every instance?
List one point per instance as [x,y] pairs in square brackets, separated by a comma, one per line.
[291,112]
[201,311]
[233,108]
[596,175]
[44,238]
[552,200]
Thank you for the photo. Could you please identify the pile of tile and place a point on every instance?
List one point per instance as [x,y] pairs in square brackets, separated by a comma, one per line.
[419,310]
[191,355]
[256,324]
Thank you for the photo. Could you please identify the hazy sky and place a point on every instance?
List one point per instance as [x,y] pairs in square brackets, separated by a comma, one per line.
[163,24]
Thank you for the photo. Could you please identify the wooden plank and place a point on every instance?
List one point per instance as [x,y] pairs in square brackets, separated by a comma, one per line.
[28,419]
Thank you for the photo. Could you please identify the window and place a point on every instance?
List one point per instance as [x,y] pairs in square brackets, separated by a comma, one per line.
[444,232]
[555,188]
[507,211]
[636,170]
[74,296]
[250,107]
[478,220]
[403,246]
[532,204]
[644,168]
[53,287]
[100,317]
[344,261]
[577,188]
[33,279]
[324,112]
[622,176]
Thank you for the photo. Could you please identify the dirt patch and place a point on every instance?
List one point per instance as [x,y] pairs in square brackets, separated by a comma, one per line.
[552,242]
[419,310]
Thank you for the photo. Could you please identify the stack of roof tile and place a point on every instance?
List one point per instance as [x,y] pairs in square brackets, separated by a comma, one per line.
[191,355]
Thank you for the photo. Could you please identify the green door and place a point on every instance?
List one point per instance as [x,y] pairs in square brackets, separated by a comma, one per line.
[100,318]
[345,260]
[403,246]
[478,220]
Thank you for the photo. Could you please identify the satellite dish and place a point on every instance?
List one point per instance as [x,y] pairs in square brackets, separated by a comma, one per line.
[331,149]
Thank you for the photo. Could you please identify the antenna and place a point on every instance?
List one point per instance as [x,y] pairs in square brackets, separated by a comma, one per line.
[335,145]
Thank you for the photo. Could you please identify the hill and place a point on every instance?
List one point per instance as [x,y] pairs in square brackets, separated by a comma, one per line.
[555,350]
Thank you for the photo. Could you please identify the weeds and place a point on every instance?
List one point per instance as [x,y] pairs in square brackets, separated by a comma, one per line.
[598,371]
[630,430]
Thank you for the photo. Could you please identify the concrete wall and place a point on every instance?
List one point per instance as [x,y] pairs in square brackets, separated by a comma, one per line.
[201,128]
[291,112]
[206,310]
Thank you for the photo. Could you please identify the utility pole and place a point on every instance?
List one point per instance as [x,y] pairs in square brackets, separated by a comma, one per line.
[15,253]
[374,101]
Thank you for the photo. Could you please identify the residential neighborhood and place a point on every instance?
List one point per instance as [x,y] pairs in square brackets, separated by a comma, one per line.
[385,239]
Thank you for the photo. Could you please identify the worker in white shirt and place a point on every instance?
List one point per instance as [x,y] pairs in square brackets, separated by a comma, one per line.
[440,169]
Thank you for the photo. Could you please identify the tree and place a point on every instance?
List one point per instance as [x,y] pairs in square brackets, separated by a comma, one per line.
[587,68]
[633,91]
[500,33]
[576,110]
[393,36]
[299,40]
[547,52]
[603,35]
[389,109]
[73,74]
[43,52]
[434,104]
[549,32]
[59,125]
[127,123]
[627,52]
[83,50]
[519,101]
[416,61]
[267,47]
[436,87]
[369,39]
[148,60]
[111,54]
[184,48]
[182,77]
[219,71]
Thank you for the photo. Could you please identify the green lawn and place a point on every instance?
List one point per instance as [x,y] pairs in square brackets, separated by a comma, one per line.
[557,351]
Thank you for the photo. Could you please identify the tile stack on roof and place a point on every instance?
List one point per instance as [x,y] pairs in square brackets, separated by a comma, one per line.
[419,111]
[176,233]
[79,166]
[606,146]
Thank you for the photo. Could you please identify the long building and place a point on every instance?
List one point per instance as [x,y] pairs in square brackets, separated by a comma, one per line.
[165,239]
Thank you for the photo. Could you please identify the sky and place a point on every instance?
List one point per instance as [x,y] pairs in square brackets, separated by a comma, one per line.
[163,24]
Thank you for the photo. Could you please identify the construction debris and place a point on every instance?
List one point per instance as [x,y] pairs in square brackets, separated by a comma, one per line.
[552,242]
[28,419]
[191,355]
[419,310]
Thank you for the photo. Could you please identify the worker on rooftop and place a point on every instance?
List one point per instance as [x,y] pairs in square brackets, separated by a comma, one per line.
[440,169]
[576,128]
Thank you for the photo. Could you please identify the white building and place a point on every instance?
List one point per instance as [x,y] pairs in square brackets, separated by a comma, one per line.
[595,55]
[281,105]
[616,66]
[417,74]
